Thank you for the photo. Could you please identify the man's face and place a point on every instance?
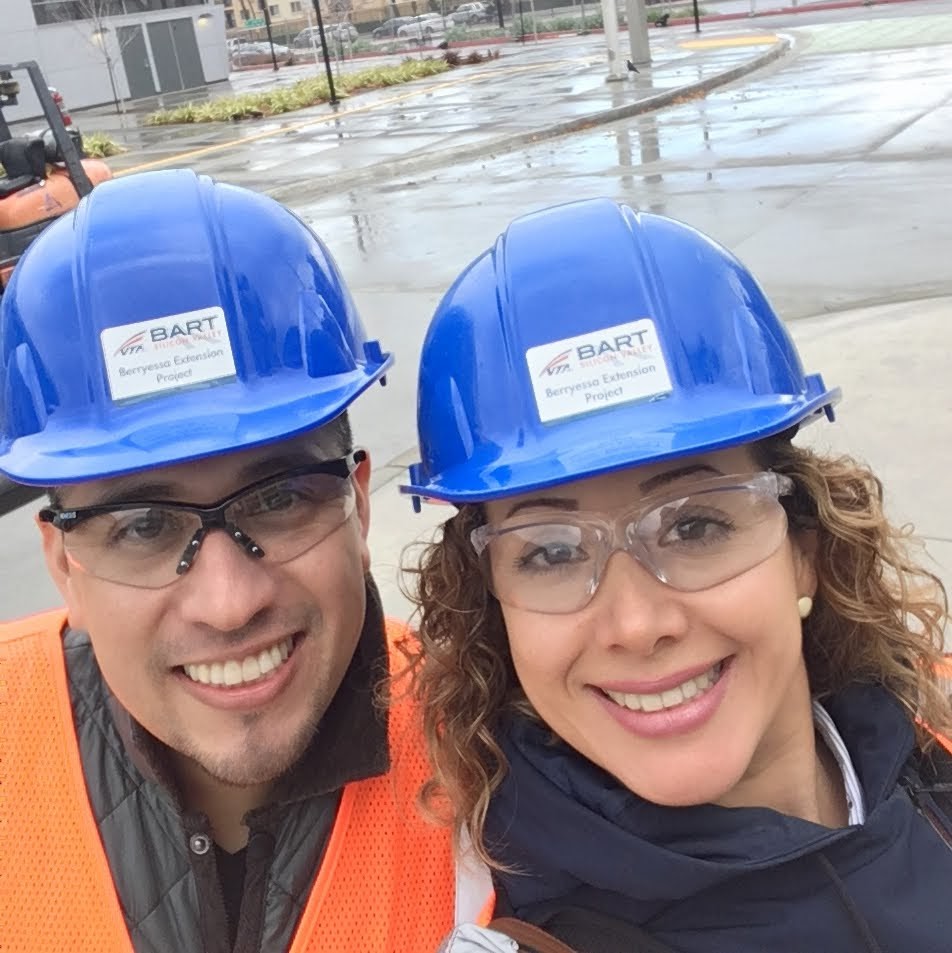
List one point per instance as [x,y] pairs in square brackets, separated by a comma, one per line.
[234,663]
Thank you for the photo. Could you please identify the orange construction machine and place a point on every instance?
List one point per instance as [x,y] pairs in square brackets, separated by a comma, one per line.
[43,174]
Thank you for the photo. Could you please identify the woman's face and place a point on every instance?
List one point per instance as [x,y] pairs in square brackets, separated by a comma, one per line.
[686,697]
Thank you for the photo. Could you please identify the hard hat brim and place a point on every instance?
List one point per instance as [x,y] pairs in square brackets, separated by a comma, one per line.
[607,447]
[193,424]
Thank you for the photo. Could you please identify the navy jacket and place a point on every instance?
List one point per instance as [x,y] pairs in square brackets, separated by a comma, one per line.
[709,879]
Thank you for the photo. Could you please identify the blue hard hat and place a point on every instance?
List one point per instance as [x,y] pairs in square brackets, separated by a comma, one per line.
[590,339]
[168,318]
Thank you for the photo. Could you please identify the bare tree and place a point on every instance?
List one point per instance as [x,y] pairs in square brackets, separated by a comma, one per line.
[90,19]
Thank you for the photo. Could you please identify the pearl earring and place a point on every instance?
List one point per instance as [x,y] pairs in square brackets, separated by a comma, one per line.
[804,606]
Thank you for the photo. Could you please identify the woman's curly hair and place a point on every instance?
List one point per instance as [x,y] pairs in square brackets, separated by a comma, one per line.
[878,617]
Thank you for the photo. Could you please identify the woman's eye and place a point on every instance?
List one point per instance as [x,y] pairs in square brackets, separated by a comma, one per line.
[697,529]
[552,554]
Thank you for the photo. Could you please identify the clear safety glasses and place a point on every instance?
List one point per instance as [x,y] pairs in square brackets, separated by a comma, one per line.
[690,539]
[150,544]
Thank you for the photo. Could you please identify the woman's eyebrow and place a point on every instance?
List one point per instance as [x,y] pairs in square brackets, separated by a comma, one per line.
[669,476]
[551,502]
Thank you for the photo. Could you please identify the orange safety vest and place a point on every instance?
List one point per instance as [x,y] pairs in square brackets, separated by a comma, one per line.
[386,883]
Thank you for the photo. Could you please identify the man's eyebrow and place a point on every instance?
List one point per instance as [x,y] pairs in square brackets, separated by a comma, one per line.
[678,473]
[550,502]
[129,492]
[278,464]
[133,491]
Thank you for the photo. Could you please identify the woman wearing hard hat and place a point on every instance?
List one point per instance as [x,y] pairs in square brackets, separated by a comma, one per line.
[678,673]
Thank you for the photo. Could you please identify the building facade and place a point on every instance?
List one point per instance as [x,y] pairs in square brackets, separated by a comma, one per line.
[289,15]
[104,51]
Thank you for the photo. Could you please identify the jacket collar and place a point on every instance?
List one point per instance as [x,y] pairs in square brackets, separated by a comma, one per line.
[612,841]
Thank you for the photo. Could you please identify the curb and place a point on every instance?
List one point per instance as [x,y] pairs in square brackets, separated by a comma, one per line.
[447,157]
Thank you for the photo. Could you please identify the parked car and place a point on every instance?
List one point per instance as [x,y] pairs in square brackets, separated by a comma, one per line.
[310,36]
[388,29]
[254,53]
[424,28]
[471,13]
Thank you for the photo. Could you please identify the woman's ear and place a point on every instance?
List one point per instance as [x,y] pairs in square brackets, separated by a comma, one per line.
[805,543]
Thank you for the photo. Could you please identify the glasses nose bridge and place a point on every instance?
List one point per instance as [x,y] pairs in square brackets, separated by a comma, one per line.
[212,519]
[625,538]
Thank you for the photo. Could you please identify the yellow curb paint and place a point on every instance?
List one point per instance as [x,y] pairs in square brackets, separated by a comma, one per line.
[726,41]
[322,120]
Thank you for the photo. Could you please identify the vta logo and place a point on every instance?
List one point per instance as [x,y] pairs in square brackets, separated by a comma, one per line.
[131,345]
[558,365]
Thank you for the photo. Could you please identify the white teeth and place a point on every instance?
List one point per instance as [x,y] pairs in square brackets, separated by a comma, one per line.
[670,698]
[241,671]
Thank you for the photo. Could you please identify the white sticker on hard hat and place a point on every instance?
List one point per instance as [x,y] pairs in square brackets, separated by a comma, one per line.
[164,354]
[597,370]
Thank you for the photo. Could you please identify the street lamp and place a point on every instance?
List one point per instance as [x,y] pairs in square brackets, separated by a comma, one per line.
[204,19]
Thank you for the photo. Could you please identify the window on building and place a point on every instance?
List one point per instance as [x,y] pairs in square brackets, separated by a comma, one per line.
[274,10]
[58,11]
[296,6]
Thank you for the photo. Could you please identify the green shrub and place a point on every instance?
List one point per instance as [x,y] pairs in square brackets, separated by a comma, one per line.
[100,146]
[303,93]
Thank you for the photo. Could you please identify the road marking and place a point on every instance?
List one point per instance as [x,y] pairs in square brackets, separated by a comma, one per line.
[760,40]
[323,120]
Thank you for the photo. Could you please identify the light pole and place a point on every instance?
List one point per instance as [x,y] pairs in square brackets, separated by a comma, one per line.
[99,38]
[267,26]
[610,22]
[327,58]
[638,33]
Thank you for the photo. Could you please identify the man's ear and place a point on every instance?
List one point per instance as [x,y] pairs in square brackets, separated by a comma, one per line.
[57,564]
[361,478]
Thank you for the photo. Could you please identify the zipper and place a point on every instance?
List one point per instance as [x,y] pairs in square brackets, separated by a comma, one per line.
[932,816]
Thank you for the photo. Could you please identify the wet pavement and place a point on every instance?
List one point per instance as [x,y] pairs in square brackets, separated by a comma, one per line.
[827,172]
[465,112]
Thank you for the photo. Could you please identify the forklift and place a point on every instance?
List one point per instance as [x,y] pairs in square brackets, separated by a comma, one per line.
[45,174]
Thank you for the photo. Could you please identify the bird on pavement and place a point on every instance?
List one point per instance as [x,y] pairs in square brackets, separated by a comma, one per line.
[631,66]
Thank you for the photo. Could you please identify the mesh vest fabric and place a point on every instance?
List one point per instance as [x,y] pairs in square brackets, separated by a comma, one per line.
[386,883]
